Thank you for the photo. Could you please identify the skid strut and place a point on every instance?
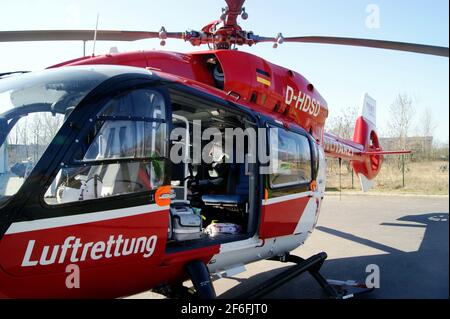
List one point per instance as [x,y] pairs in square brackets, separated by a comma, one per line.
[312,265]
[201,279]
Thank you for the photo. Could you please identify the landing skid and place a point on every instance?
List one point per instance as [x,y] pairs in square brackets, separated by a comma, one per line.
[333,288]
[203,287]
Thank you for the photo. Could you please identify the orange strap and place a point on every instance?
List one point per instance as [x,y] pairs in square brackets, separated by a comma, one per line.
[162,195]
[313,186]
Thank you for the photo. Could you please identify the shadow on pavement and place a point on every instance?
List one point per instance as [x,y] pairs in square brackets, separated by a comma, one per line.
[420,274]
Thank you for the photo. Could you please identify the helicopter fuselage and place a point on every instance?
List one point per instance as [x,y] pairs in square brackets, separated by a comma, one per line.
[120,244]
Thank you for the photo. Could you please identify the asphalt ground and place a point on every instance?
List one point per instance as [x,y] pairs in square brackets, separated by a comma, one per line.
[406,237]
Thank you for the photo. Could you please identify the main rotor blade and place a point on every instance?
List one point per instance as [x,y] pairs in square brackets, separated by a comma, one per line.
[82,35]
[380,44]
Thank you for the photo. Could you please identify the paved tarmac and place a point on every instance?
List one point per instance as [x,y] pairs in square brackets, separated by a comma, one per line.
[407,237]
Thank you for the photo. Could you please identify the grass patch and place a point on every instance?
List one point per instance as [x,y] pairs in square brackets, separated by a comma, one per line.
[426,178]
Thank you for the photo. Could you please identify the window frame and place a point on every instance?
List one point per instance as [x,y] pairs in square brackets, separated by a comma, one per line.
[300,132]
[105,203]
[136,119]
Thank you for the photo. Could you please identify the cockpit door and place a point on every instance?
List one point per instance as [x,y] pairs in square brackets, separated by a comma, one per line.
[287,185]
[93,227]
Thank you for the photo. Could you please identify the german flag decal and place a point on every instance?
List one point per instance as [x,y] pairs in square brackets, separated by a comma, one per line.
[263,77]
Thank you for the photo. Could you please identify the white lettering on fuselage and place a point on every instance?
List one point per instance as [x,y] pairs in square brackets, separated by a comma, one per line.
[336,147]
[73,250]
[303,102]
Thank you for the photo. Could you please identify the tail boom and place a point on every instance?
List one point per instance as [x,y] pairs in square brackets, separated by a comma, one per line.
[363,151]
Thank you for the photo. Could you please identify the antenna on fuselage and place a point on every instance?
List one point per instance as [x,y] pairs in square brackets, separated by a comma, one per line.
[95,35]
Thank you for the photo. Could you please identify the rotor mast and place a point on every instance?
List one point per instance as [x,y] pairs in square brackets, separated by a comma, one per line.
[232,11]
[225,32]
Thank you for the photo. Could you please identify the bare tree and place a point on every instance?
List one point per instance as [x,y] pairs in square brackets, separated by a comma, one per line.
[343,125]
[52,123]
[402,113]
[426,129]
[32,134]
[428,125]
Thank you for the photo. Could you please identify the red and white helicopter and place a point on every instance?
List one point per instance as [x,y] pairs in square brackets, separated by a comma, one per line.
[88,185]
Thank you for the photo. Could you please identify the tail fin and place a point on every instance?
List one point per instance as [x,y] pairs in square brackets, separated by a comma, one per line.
[365,135]
[364,151]
[366,184]
[368,109]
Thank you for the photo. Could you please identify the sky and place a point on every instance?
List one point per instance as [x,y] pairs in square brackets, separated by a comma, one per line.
[341,74]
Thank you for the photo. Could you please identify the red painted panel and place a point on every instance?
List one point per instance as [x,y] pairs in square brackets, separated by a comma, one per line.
[241,76]
[105,277]
[281,219]
[370,165]
[286,94]
[101,277]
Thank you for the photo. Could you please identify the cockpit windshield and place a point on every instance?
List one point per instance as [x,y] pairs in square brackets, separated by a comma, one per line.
[33,107]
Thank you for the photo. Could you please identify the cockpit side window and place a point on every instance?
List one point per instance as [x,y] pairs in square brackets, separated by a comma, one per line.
[125,151]
[291,159]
